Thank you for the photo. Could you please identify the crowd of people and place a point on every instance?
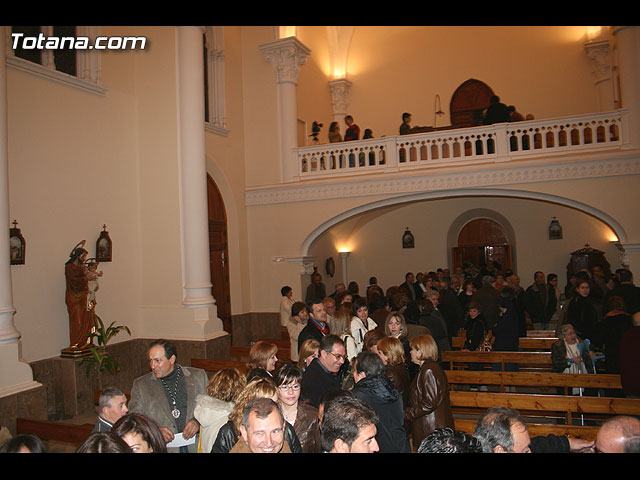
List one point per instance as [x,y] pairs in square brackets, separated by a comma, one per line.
[366,372]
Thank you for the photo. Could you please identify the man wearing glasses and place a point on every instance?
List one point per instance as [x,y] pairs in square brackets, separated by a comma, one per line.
[321,376]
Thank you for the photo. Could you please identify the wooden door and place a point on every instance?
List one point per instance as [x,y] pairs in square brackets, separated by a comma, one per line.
[482,241]
[467,103]
[219,253]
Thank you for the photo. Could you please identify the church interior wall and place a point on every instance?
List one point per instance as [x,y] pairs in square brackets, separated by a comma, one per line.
[430,221]
[114,159]
[78,161]
[542,70]
[260,110]
[375,239]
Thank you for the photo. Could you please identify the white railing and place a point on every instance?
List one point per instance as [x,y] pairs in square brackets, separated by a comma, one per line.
[465,146]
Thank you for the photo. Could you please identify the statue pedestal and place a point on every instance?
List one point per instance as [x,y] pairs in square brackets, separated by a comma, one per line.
[75,388]
[76,352]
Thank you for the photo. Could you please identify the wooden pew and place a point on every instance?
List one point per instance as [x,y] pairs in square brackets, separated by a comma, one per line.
[541,333]
[525,343]
[540,429]
[216,365]
[281,343]
[562,409]
[242,353]
[54,431]
[531,361]
[565,381]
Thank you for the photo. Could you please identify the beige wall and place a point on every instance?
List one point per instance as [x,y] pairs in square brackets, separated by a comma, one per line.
[587,206]
[79,160]
[541,70]
[375,238]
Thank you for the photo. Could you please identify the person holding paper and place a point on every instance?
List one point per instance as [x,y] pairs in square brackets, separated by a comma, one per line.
[167,394]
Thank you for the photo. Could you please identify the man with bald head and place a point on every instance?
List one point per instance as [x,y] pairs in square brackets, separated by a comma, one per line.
[621,434]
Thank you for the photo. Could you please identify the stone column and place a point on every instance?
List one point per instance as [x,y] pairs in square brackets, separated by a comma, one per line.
[600,54]
[340,90]
[195,221]
[627,44]
[287,56]
[15,374]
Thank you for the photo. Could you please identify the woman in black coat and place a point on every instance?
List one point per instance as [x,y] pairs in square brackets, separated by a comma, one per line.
[581,311]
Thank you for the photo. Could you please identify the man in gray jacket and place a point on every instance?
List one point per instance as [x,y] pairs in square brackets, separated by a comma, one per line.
[168,395]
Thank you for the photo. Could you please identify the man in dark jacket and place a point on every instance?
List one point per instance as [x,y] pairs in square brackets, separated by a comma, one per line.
[627,290]
[373,388]
[320,377]
[317,326]
[536,298]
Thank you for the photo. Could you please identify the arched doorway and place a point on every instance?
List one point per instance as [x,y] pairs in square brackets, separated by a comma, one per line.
[480,242]
[468,102]
[219,253]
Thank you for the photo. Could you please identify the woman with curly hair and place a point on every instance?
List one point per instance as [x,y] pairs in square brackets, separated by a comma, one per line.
[212,410]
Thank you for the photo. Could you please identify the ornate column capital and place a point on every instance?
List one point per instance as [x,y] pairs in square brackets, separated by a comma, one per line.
[599,53]
[287,56]
[340,95]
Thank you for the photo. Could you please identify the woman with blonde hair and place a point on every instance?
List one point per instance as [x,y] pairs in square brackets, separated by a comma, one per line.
[309,350]
[262,360]
[391,352]
[212,410]
[429,406]
[228,434]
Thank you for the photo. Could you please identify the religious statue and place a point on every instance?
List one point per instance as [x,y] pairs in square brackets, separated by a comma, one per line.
[80,307]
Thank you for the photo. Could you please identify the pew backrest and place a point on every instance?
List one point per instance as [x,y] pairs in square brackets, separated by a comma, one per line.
[565,381]
[216,365]
[535,361]
[525,343]
[54,431]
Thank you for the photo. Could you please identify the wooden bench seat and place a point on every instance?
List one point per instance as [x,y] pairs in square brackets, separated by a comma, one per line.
[525,343]
[541,333]
[564,409]
[530,361]
[241,353]
[565,381]
[54,431]
[540,429]
[216,365]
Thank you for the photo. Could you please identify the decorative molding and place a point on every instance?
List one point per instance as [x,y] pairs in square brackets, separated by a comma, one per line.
[287,56]
[412,182]
[340,96]
[599,53]
[306,263]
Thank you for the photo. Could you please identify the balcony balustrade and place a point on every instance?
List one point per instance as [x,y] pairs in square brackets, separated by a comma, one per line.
[465,147]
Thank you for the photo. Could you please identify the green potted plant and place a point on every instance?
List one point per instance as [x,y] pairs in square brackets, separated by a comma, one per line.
[100,360]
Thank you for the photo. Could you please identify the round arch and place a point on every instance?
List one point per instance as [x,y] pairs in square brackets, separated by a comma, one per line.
[463,192]
[472,214]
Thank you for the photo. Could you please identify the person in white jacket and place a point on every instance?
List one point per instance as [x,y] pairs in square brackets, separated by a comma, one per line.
[212,410]
[361,322]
